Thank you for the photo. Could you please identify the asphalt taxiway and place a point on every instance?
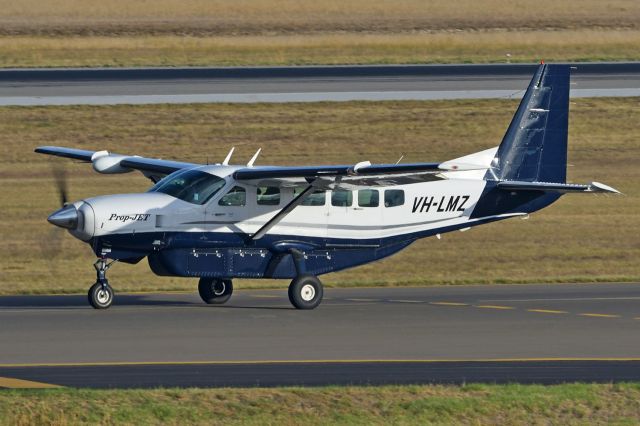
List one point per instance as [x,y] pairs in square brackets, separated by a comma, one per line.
[97,86]
[451,334]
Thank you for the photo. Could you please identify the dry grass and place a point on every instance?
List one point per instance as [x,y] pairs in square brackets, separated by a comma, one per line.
[287,32]
[208,17]
[582,237]
[442,47]
[569,404]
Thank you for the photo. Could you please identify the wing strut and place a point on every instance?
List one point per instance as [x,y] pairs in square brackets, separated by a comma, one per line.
[282,213]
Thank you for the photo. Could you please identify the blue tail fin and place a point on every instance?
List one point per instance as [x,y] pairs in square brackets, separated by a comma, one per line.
[534,149]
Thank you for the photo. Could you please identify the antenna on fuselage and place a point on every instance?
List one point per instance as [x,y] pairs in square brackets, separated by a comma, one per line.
[253,159]
[400,159]
[228,157]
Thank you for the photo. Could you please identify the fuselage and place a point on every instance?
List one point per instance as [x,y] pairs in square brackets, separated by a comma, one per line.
[184,234]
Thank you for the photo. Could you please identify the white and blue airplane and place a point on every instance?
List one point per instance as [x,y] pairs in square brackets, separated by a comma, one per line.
[219,222]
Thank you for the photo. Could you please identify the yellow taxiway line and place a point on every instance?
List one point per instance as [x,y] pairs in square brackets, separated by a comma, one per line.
[310,361]
[599,315]
[547,311]
[495,307]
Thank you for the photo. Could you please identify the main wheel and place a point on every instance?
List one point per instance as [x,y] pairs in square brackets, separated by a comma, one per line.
[215,291]
[100,296]
[305,292]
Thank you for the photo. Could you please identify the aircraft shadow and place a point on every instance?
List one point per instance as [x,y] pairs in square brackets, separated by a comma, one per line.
[80,301]
[76,301]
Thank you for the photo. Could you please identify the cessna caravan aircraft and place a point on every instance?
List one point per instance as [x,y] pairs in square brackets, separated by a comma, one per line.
[219,222]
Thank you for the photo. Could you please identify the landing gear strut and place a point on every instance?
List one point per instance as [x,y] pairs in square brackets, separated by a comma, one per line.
[101,294]
[305,291]
[215,291]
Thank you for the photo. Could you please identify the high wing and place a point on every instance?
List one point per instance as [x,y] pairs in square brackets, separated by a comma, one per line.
[105,162]
[345,176]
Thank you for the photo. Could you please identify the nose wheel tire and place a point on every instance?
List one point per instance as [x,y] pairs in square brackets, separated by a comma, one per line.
[215,291]
[100,296]
[305,292]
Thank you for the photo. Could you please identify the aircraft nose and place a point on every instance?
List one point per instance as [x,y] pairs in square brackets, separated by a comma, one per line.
[66,217]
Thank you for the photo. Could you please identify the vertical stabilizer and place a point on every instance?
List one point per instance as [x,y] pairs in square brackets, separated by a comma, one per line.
[535,145]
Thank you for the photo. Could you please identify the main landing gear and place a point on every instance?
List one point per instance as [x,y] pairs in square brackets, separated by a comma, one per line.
[305,292]
[101,294]
[215,291]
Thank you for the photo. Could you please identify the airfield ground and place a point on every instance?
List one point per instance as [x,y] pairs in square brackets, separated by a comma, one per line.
[287,32]
[281,49]
[471,404]
[582,238]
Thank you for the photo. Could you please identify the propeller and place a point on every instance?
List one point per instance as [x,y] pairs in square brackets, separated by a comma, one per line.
[51,248]
[60,178]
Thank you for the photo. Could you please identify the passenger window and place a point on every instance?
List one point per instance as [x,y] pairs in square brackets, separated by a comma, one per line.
[393,197]
[368,198]
[268,195]
[316,198]
[237,196]
[341,198]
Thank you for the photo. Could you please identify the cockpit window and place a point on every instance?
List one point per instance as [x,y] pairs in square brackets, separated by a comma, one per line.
[192,186]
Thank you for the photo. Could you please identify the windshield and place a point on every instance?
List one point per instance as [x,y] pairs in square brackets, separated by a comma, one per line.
[192,186]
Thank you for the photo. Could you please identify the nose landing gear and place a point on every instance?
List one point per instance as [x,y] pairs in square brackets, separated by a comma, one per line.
[101,294]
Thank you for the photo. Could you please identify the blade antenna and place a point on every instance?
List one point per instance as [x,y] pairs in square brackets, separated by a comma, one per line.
[253,159]
[228,157]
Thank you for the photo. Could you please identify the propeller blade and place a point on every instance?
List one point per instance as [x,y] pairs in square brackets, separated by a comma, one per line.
[60,177]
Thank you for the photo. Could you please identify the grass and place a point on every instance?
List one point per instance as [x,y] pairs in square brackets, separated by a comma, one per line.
[580,238]
[219,17]
[439,47]
[568,404]
[117,33]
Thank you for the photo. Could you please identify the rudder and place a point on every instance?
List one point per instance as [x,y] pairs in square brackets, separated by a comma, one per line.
[534,148]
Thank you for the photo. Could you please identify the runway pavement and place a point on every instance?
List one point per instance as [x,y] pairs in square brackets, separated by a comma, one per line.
[451,334]
[299,84]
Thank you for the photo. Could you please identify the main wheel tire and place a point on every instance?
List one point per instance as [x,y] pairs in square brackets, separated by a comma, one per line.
[305,292]
[100,296]
[215,291]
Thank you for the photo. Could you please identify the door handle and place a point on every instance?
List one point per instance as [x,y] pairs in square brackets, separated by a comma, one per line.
[219,214]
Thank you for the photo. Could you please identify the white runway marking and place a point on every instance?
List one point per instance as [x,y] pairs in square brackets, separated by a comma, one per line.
[295,97]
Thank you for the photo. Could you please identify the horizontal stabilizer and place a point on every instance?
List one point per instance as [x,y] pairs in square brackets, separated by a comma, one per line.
[561,188]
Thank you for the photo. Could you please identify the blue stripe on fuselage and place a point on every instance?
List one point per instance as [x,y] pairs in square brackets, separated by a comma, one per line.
[330,254]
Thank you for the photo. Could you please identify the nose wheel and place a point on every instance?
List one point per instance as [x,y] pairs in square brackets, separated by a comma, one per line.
[100,294]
